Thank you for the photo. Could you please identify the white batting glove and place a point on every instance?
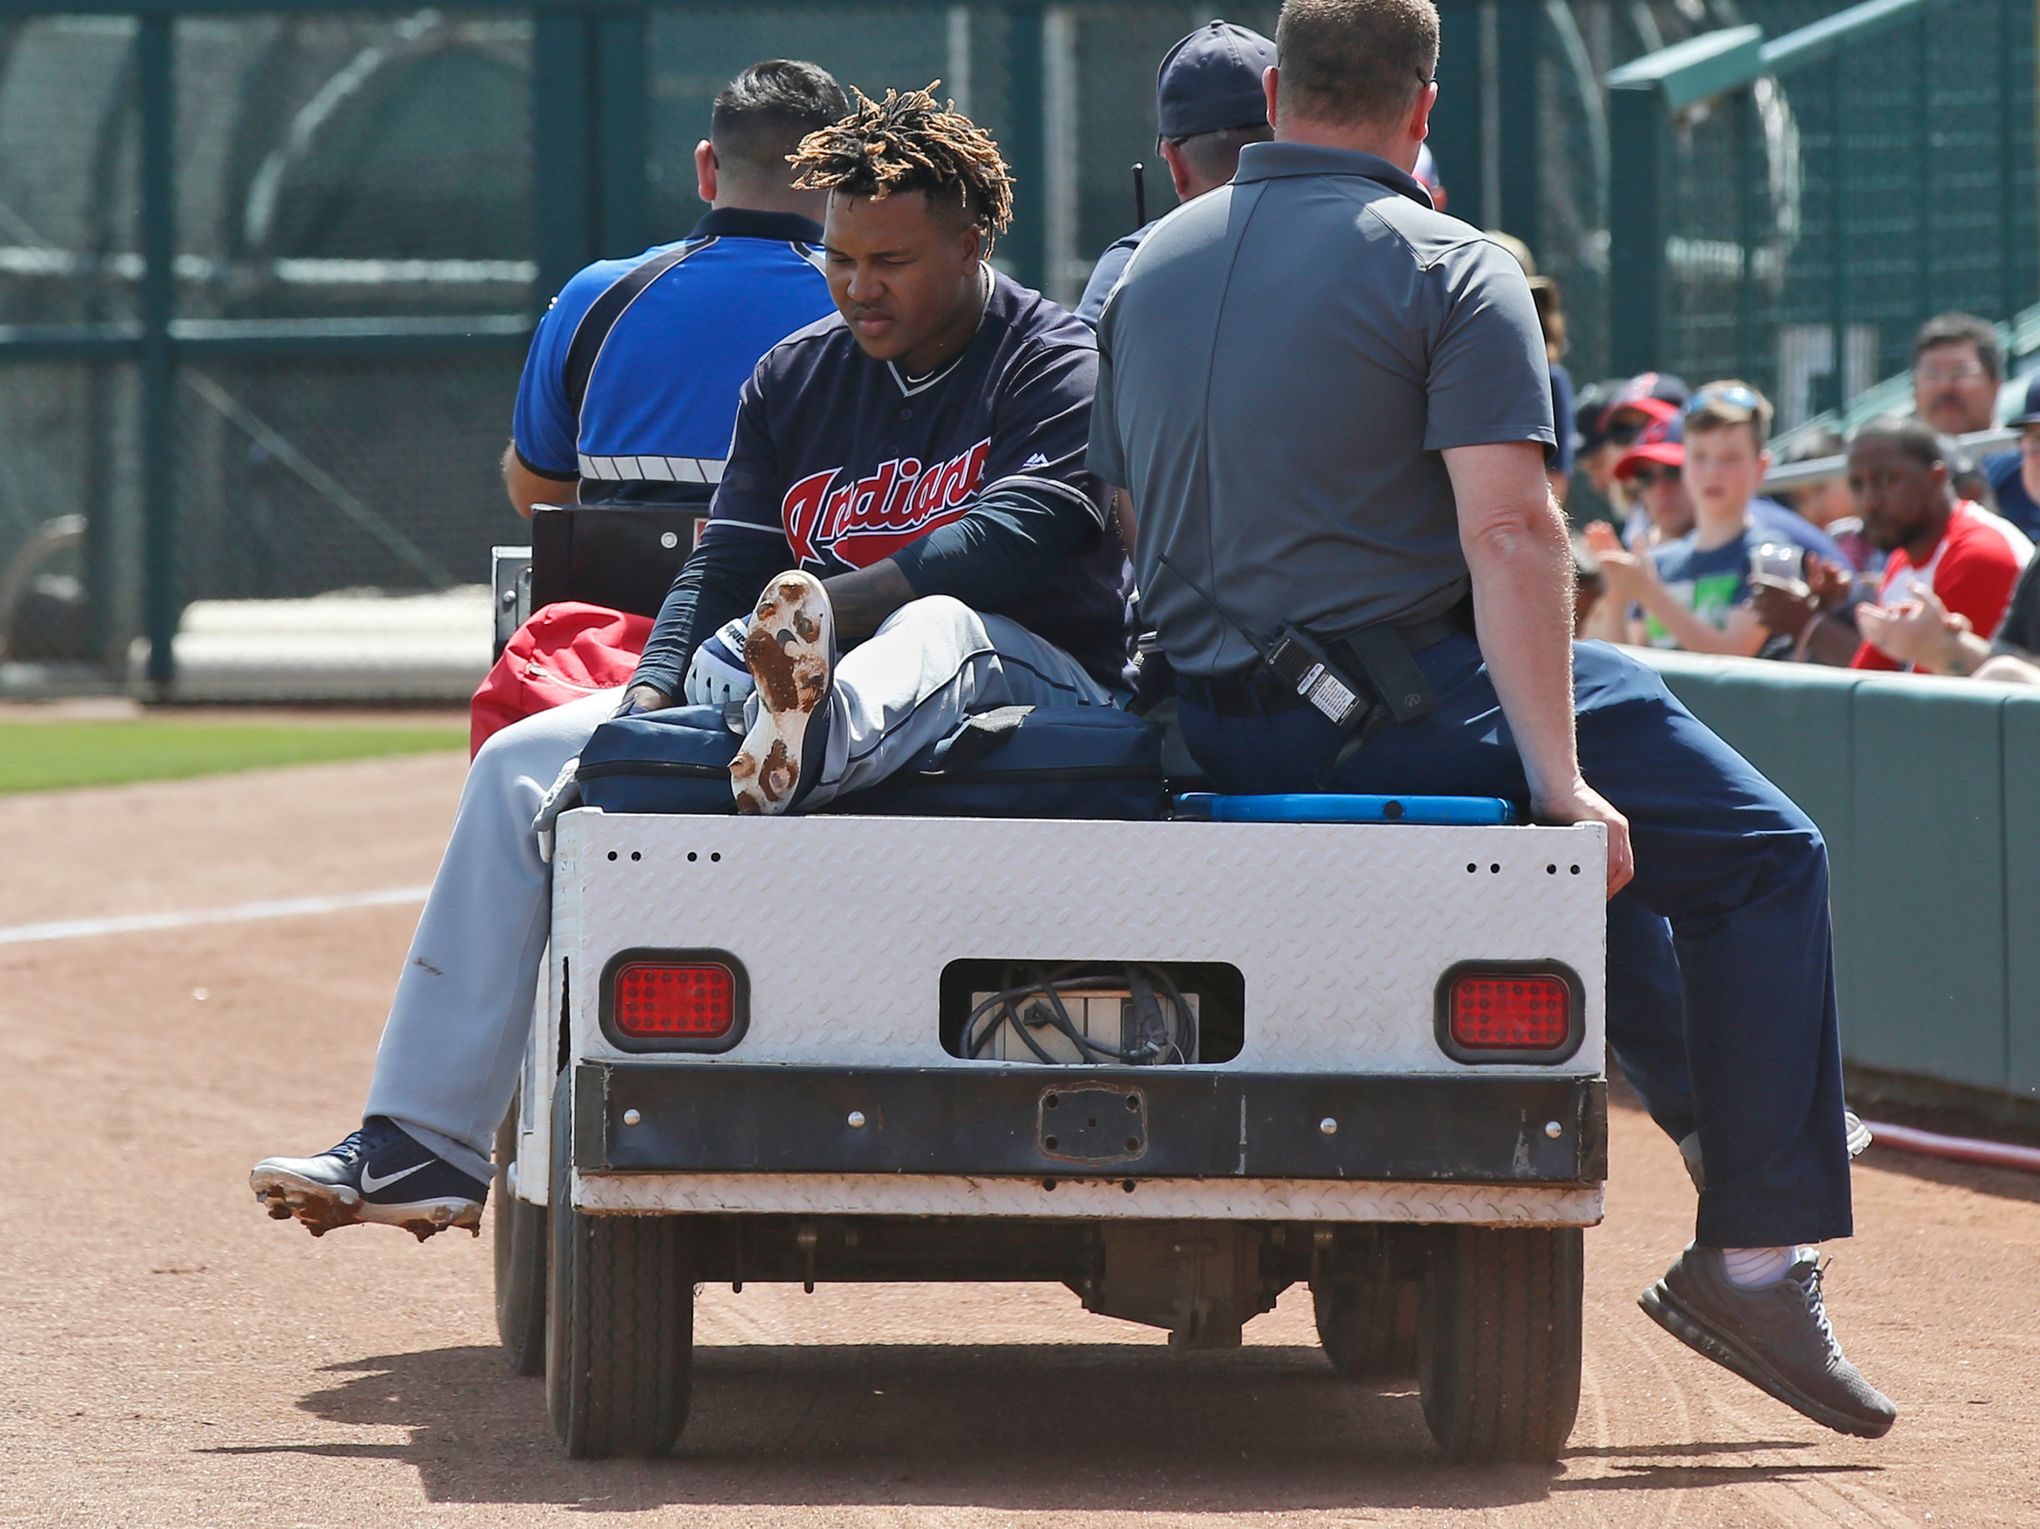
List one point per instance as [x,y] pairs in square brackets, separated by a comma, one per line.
[564,795]
[718,674]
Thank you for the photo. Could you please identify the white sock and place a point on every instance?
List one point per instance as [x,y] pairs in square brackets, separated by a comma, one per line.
[1749,1267]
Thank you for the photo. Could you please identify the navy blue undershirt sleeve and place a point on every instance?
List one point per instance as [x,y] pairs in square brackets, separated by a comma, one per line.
[1016,537]
[743,545]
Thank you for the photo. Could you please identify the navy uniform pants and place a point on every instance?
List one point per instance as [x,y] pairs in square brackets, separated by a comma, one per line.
[1721,994]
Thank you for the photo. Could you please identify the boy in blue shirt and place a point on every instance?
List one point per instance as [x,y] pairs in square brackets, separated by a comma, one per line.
[1694,593]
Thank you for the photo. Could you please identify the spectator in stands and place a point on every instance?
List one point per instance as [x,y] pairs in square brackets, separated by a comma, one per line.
[1695,591]
[1649,475]
[1426,172]
[1550,305]
[1936,640]
[1208,106]
[1946,554]
[1957,367]
[1593,494]
[2014,475]
[1828,504]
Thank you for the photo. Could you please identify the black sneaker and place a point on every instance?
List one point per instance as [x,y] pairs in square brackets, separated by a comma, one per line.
[377,1174]
[1857,1133]
[1776,1336]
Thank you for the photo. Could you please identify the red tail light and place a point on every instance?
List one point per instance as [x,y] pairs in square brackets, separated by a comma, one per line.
[682,1000]
[1500,1012]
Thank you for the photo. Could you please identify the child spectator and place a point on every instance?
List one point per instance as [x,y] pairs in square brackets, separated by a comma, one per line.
[1694,592]
[1947,555]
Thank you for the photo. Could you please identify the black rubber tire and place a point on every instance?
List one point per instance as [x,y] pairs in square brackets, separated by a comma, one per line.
[1369,1326]
[519,1233]
[1498,1353]
[619,1320]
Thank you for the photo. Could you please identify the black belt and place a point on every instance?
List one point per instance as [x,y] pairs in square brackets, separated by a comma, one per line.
[1249,693]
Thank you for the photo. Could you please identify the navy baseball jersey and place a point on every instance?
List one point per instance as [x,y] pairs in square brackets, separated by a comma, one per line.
[632,379]
[972,479]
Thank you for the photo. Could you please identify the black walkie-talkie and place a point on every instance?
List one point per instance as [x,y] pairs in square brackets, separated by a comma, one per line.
[1298,663]
[1139,194]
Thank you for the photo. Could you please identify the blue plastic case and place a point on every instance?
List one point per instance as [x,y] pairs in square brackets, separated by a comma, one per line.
[1458,811]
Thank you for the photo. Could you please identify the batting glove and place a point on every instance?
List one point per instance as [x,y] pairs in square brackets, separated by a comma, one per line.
[718,674]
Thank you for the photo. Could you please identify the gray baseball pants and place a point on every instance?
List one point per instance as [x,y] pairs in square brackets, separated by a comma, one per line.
[452,1046]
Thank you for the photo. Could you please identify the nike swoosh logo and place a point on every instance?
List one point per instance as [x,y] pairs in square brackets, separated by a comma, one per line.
[370,1184]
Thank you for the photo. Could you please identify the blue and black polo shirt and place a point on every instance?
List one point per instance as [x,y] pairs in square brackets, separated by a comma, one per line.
[632,379]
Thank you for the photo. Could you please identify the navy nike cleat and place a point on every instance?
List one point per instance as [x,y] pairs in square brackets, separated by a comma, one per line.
[377,1174]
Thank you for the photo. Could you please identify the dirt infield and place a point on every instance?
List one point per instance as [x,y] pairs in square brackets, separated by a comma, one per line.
[170,1357]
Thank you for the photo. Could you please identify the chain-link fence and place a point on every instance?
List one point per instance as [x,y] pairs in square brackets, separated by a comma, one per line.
[266,271]
[1817,215]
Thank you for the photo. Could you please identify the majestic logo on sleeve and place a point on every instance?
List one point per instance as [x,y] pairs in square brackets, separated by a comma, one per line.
[872,518]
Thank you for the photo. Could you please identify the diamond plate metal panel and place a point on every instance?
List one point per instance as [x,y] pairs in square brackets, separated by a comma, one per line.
[844,924]
[1185,1199]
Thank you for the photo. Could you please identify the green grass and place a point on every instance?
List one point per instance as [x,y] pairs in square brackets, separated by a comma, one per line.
[50,756]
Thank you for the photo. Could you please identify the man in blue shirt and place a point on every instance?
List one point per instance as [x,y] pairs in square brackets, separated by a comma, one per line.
[2014,474]
[1208,105]
[629,392]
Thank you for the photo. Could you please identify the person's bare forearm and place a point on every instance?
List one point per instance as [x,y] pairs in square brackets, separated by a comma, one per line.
[527,488]
[1522,599]
[1962,654]
[860,601]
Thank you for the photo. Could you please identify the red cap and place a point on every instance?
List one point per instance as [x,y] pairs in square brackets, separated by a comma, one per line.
[1663,442]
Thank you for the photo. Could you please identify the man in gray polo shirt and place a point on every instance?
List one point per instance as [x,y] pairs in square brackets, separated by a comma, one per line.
[1329,404]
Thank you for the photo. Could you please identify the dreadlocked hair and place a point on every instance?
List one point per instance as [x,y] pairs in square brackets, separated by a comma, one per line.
[908,142]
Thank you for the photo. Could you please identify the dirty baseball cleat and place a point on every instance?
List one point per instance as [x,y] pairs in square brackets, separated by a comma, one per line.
[1857,1133]
[377,1174]
[791,653]
[1776,1336]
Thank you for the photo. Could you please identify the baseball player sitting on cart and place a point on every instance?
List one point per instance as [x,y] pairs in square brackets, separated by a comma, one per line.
[906,485]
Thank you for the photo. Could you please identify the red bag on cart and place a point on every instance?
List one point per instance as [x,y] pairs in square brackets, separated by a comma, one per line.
[565,651]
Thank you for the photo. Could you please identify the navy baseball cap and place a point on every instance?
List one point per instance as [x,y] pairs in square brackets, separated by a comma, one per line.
[2030,415]
[1212,80]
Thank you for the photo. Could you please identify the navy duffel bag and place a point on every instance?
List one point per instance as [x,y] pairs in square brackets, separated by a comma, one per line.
[1029,762]
[676,760]
[1015,762]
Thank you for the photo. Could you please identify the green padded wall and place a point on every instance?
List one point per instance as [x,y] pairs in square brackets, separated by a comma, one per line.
[2022,894]
[1929,956]
[1928,792]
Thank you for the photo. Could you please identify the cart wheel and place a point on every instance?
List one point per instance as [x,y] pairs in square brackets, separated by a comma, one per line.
[1369,1326]
[520,1234]
[619,1319]
[1498,1353]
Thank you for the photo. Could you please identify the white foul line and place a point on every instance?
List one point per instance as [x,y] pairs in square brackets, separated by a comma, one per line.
[144,923]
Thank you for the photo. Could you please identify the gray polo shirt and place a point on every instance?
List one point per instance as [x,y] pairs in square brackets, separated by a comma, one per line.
[1280,367]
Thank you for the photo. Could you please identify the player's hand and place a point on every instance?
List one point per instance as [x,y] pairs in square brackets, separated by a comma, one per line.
[718,674]
[1581,803]
[642,698]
